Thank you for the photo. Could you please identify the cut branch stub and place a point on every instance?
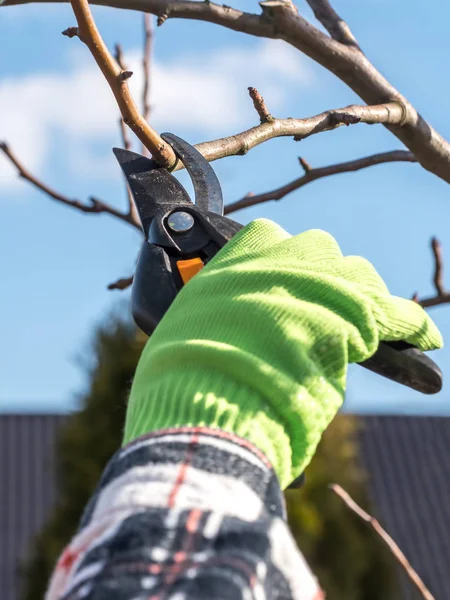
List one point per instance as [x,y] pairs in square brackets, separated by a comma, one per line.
[260,105]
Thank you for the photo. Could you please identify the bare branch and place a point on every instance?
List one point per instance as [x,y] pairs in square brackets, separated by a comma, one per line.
[336,27]
[438,266]
[95,206]
[116,77]
[132,212]
[314,174]
[300,129]
[241,143]
[124,134]
[148,43]
[441,297]
[260,105]
[121,284]
[435,300]
[390,543]
[282,21]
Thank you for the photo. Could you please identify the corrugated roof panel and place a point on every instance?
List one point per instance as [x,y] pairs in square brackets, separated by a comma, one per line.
[27,489]
[408,462]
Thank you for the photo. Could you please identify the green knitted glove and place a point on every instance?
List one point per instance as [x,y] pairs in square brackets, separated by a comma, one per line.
[258,343]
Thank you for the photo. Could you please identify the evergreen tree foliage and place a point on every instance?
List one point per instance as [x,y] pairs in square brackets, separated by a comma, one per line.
[85,444]
[345,555]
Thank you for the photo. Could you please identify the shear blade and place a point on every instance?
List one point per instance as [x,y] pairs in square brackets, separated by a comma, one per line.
[152,186]
[208,193]
[406,365]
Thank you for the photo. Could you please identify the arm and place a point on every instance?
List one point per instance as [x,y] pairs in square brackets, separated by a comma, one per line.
[186,513]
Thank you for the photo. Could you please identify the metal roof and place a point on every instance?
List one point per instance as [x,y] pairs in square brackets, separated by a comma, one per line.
[27,489]
[408,463]
[407,459]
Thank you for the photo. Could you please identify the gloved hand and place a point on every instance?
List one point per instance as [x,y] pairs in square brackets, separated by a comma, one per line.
[258,343]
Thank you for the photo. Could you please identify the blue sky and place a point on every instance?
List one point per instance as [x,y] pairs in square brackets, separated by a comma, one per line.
[59,116]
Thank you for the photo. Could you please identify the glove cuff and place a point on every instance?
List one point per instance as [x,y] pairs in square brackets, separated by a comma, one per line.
[195,396]
[214,385]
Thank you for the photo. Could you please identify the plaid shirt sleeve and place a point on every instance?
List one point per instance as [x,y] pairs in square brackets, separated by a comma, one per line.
[185,514]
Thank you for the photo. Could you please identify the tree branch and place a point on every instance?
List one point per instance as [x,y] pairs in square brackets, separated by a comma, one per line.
[121,284]
[438,266]
[282,21]
[132,212]
[318,173]
[148,43]
[390,543]
[441,297]
[241,143]
[336,27]
[96,206]
[299,129]
[87,31]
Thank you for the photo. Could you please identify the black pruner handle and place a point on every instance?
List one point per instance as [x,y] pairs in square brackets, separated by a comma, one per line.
[407,365]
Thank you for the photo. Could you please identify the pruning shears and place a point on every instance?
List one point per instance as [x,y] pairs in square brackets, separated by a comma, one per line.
[181,236]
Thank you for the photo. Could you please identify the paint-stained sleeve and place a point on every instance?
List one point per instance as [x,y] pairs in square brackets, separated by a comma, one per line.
[185,514]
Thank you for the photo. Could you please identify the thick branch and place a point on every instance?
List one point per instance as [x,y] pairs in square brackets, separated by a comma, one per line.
[282,21]
[390,543]
[96,206]
[314,174]
[87,31]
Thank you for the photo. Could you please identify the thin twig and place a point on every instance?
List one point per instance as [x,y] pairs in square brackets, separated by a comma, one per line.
[435,300]
[95,206]
[299,129]
[438,267]
[314,174]
[393,547]
[441,297]
[146,67]
[260,105]
[336,27]
[117,78]
[132,212]
[124,134]
[121,284]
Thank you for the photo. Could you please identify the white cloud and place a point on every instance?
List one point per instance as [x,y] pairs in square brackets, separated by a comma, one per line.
[205,93]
